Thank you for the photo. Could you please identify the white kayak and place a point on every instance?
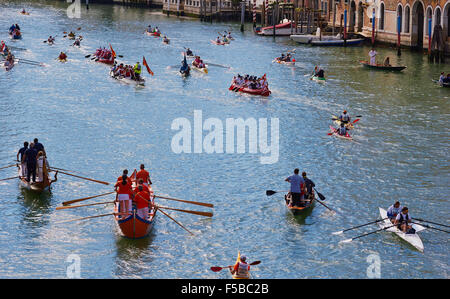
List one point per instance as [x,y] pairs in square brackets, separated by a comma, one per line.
[413,239]
[128,80]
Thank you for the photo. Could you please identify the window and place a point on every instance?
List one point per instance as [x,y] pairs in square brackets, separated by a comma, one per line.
[382,16]
[407,13]
[437,16]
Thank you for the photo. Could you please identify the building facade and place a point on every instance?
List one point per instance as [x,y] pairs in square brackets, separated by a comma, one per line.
[415,19]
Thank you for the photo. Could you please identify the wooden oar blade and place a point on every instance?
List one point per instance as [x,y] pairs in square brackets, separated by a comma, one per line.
[270,192]
[216,269]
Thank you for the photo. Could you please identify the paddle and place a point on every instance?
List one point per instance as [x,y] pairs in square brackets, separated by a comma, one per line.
[427,226]
[342,231]
[30,63]
[84,218]
[86,205]
[418,219]
[218,65]
[8,166]
[217,269]
[320,195]
[206,214]
[15,177]
[271,192]
[85,198]
[175,221]
[17,48]
[84,178]
[349,240]
[188,201]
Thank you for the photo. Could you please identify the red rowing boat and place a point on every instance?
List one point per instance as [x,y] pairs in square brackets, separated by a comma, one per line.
[131,225]
[262,91]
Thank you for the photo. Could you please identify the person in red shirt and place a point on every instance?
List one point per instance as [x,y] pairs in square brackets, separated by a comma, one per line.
[142,201]
[141,183]
[144,175]
[124,191]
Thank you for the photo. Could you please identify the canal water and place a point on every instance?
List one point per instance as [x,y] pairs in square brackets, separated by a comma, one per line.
[96,126]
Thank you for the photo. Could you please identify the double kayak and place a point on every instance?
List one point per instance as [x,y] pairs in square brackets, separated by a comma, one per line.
[382,67]
[261,92]
[153,33]
[335,133]
[337,121]
[200,69]
[238,276]
[221,43]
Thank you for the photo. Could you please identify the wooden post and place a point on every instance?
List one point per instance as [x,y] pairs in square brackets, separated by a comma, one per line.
[210,11]
[373,27]
[263,15]
[345,27]
[87,4]
[334,16]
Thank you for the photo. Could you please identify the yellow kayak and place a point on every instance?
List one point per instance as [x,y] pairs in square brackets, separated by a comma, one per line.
[203,69]
[238,276]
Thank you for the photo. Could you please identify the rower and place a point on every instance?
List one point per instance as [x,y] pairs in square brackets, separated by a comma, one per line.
[320,73]
[62,56]
[137,71]
[309,186]
[142,201]
[281,58]
[184,66]
[225,39]
[393,211]
[51,40]
[441,77]
[342,130]
[23,11]
[157,30]
[38,146]
[30,158]
[12,28]
[344,118]
[124,192]
[241,268]
[218,40]
[189,52]
[297,188]
[373,57]
[77,42]
[196,61]
[149,28]
[124,173]
[403,221]
[386,61]
[144,175]
[21,152]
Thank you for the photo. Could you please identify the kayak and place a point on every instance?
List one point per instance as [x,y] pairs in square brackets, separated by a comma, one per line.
[62,60]
[262,92]
[71,37]
[200,69]
[156,34]
[335,133]
[128,80]
[284,62]
[412,239]
[166,41]
[382,67]
[318,79]
[338,122]
[218,43]
[25,13]
[239,276]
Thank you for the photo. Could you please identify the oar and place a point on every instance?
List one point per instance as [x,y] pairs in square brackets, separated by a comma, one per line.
[217,269]
[176,221]
[17,48]
[326,206]
[86,205]
[85,198]
[418,219]
[427,226]
[349,240]
[188,201]
[84,178]
[271,192]
[29,60]
[84,218]
[15,177]
[320,194]
[30,63]
[206,214]
[213,64]
[61,169]
[8,166]
[342,231]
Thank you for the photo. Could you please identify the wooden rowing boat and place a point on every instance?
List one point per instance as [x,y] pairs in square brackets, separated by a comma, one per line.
[382,67]
[337,42]
[42,183]
[237,276]
[412,239]
[131,225]
[303,210]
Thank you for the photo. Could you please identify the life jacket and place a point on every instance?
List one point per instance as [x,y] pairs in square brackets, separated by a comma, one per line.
[403,218]
[242,270]
[137,69]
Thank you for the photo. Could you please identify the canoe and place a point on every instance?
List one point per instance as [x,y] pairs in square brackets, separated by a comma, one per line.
[202,70]
[219,44]
[234,276]
[156,34]
[338,122]
[128,80]
[318,79]
[262,92]
[347,135]
[132,226]
[25,13]
[39,185]
[382,67]
[337,42]
[284,62]
[309,205]
[412,239]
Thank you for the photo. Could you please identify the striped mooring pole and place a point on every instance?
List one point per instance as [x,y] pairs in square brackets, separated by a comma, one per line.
[254,13]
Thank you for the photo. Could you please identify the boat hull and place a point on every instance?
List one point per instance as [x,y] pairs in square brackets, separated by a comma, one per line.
[337,42]
[260,92]
[280,30]
[299,211]
[382,67]
[248,276]
[346,137]
[38,186]
[201,70]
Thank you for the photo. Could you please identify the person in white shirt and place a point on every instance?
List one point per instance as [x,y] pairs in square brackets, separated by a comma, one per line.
[393,211]
[403,220]
[373,56]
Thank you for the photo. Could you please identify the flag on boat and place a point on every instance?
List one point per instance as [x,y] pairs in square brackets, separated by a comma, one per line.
[112,51]
[144,62]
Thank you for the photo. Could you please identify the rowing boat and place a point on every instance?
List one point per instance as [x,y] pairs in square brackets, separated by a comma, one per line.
[105,60]
[412,239]
[131,225]
[304,210]
[382,67]
[237,276]
[337,121]
[261,92]
[42,183]
[441,84]
[335,133]
[200,69]
[284,62]
[25,13]
[62,60]
[125,80]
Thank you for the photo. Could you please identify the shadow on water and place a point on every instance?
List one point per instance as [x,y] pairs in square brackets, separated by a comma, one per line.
[35,206]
